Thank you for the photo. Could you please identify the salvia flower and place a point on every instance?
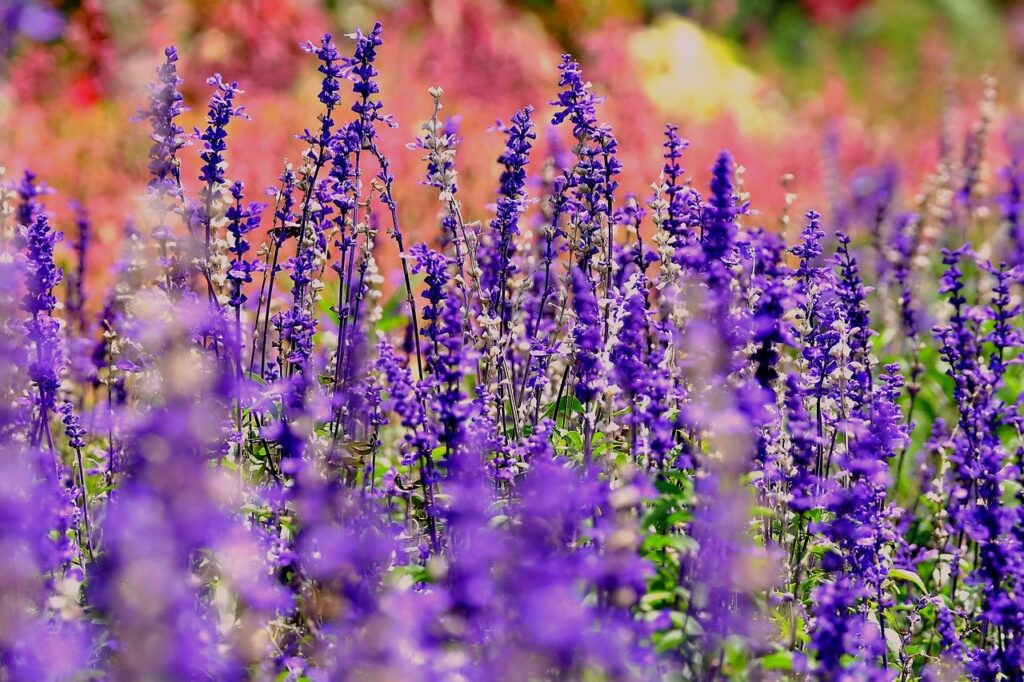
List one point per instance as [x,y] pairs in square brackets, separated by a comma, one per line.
[586,336]
[39,302]
[360,70]
[242,219]
[573,451]
[577,102]
[330,88]
[221,110]
[166,104]
[511,204]
[719,229]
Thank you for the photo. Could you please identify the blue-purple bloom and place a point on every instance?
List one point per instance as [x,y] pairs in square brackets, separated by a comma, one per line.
[42,275]
[166,104]
[497,260]
[221,110]
[572,452]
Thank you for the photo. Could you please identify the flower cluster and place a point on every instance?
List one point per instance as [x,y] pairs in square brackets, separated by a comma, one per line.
[593,435]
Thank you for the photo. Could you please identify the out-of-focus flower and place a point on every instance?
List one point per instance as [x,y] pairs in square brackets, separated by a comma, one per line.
[683,68]
[32,19]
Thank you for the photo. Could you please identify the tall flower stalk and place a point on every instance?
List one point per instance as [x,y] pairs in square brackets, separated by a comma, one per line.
[591,437]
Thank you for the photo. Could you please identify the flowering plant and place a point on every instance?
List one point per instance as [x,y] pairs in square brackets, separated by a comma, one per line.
[592,436]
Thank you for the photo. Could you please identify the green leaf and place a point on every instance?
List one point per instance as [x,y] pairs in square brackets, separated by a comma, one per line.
[910,576]
[256,378]
[893,641]
[657,597]
[780,660]
[670,640]
[681,543]
[566,402]
[574,439]
[1010,491]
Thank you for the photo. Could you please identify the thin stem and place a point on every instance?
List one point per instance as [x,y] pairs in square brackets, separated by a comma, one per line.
[85,503]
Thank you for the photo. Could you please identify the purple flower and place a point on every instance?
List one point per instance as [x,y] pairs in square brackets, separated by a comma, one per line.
[595,468]
[296,329]
[577,103]
[221,110]
[322,144]
[435,267]
[632,342]
[32,19]
[841,633]
[242,219]
[76,287]
[808,251]
[406,399]
[804,484]
[852,297]
[681,211]
[41,329]
[719,226]
[497,260]
[29,191]
[586,336]
[770,329]
[72,426]
[360,70]
[592,179]
[902,244]
[327,53]
[449,372]
[166,104]
[1011,200]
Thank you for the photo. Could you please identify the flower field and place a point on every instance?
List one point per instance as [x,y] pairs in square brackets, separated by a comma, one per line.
[610,419]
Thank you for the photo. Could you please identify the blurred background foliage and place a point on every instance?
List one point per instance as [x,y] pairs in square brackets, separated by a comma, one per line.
[802,46]
[770,79]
